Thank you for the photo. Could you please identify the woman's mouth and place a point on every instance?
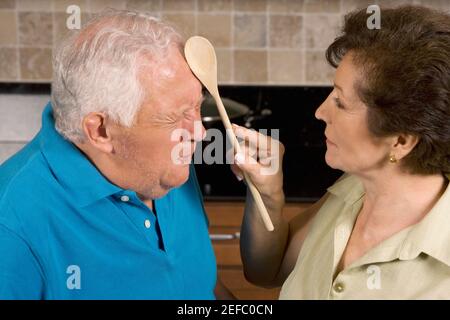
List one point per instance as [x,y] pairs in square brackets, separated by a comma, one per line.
[329,142]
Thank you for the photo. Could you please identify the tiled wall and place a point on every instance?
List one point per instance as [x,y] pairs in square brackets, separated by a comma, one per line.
[20,120]
[257,41]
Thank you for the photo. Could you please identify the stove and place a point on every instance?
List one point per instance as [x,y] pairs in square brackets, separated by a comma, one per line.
[291,110]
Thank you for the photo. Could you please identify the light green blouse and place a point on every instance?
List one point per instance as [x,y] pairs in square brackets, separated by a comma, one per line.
[412,264]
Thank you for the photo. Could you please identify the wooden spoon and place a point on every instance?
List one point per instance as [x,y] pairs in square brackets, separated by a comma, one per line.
[201,57]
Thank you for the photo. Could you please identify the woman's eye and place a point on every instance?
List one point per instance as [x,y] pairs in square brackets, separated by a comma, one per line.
[338,103]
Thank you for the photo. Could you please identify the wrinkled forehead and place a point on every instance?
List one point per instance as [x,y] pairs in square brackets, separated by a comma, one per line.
[169,83]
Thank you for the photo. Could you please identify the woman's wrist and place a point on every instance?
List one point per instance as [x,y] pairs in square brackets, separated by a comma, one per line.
[275,200]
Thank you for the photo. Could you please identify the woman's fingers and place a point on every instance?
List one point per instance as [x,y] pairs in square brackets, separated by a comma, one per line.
[248,164]
[265,146]
[252,137]
[237,172]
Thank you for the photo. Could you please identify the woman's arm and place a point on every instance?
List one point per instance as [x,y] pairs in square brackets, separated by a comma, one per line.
[268,257]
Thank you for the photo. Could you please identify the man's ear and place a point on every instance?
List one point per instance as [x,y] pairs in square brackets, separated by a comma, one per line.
[403,144]
[97,132]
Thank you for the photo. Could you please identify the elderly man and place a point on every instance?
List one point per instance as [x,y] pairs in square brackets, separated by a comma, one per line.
[96,206]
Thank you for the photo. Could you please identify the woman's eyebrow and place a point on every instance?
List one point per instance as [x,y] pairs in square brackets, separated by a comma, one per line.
[337,86]
[340,89]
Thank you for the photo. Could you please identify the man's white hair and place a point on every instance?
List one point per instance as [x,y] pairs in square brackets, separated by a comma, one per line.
[97,68]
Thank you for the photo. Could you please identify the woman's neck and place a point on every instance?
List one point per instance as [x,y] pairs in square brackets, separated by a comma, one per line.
[399,199]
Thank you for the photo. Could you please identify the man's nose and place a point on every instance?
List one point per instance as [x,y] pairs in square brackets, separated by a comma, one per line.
[199,131]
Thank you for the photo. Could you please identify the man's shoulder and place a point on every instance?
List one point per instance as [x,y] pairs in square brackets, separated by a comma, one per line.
[24,181]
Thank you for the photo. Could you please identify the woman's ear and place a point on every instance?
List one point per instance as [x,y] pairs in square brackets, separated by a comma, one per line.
[97,132]
[403,145]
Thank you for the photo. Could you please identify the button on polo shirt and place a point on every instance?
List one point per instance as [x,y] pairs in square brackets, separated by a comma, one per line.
[66,232]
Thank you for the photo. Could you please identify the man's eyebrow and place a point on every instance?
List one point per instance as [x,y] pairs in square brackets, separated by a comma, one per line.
[189,107]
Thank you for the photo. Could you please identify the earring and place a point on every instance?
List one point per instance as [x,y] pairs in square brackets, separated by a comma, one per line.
[392,158]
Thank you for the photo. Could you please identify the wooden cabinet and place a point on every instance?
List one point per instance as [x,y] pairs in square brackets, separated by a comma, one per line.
[225,220]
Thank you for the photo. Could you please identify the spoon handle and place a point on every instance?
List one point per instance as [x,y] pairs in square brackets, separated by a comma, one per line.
[253,190]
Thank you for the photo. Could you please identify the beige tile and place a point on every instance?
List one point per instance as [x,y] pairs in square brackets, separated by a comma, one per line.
[216,28]
[7,4]
[8,27]
[214,5]
[184,22]
[321,30]
[35,28]
[285,31]
[322,5]
[250,66]
[144,5]
[8,64]
[443,5]
[224,65]
[286,67]
[62,5]
[318,71]
[34,5]
[100,5]
[250,30]
[250,5]
[350,5]
[60,25]
[21,116]
[7,150]
[396,3]
[285,6]
[178,5]
[35,63]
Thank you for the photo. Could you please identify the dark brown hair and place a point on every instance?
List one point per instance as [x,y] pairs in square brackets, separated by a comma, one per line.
[406,79]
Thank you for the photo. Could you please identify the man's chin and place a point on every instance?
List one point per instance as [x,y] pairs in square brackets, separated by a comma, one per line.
[176,181]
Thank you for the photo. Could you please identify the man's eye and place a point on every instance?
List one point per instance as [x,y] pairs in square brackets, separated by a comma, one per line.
[338,103]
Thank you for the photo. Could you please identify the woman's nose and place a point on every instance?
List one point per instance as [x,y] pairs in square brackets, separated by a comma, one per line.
[321,112]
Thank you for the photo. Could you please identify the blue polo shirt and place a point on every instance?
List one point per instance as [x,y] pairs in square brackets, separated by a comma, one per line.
[66,232]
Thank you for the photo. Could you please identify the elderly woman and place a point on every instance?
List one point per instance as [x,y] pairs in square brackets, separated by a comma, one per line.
[382,231]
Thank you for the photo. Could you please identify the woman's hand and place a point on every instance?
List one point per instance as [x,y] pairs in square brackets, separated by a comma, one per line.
[262,251]
[261,158]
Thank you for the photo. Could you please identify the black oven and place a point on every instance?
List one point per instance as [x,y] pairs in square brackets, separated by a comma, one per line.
[291,110]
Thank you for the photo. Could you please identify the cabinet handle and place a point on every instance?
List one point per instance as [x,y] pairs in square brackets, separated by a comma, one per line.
[224,236]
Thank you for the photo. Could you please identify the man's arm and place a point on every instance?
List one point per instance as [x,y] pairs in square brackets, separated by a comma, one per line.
[19,272]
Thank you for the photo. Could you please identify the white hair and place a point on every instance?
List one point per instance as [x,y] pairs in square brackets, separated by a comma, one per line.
[96,69]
